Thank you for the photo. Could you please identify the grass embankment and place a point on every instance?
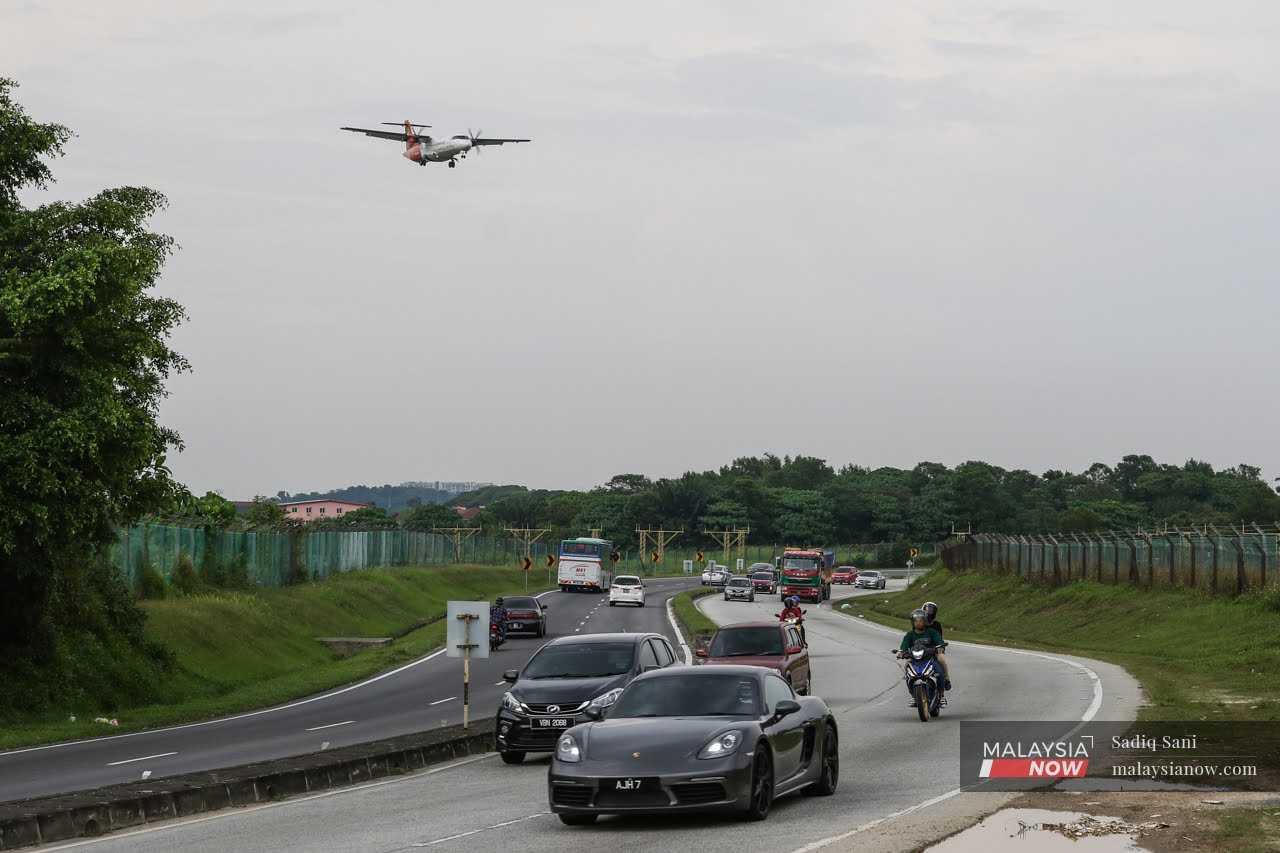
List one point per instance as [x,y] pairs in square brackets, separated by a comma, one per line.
[693,622]
[235,651]
[1198,657]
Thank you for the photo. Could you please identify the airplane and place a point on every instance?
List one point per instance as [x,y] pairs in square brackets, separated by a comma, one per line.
[422,149]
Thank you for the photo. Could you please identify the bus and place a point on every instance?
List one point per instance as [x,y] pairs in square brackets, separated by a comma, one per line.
[585,564]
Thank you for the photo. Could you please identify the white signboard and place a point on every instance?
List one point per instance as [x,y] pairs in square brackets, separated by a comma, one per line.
[688,570]
[457,636]
[740,564]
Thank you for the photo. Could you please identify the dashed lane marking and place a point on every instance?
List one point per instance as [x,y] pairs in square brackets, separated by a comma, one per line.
[140,758]
[442,701]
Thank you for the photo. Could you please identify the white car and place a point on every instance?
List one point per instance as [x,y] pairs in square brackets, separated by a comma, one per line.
[714,577]
[626,589]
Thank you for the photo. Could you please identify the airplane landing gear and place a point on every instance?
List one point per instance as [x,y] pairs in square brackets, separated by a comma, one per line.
[452,164]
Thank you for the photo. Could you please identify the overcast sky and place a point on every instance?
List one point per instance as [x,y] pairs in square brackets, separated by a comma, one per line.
[1037,234]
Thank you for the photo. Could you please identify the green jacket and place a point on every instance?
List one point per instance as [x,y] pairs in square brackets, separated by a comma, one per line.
[930,634]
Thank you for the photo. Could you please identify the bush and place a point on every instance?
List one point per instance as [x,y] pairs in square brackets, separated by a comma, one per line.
[150,583]
[1271,599]
[185,579]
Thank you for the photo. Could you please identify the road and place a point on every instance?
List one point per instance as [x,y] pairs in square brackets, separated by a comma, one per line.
[890,762]
[419,695]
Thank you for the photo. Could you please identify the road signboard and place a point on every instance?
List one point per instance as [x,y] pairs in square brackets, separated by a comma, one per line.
[688,567]
[467,634]
[525,564]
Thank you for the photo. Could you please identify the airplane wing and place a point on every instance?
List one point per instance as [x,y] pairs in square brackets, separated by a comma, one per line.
[480,141]
[380,134]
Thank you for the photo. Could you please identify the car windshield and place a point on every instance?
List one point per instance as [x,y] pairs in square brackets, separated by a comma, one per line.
[581,660]
[871,574]
[689,696]
[739,582]
[520,604]
[737,642]
[763,576]
[626,580]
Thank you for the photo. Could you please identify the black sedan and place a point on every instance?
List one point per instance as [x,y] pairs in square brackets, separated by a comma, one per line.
[710,738]
[526,615]
[565,678]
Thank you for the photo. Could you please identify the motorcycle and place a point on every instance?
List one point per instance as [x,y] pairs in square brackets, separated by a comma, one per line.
[799,623]
[923,677]
[497,631]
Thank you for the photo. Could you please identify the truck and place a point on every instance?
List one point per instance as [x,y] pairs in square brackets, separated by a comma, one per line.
[585,564]
[806,573]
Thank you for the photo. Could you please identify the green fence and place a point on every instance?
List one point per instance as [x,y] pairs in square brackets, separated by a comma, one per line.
[1221,560]
[271,558]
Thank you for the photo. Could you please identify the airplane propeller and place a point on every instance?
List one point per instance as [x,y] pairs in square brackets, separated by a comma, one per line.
[473,136]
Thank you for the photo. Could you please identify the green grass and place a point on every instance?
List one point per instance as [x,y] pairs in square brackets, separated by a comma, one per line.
[1248,830]
[693,621]
[236,651]
[1197,656]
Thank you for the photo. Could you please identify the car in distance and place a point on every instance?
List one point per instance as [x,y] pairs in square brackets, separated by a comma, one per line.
[626,589]
[764,581]
[565,678]
[870,580]
[739,589]
[525,615]
[715,577]
[769,644]
[844,574]
[689,739]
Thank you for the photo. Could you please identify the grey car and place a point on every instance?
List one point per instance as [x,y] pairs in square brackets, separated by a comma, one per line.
[740,588]
[870,580]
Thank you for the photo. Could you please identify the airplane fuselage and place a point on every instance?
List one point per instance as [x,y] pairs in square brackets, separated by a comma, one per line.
[425,150]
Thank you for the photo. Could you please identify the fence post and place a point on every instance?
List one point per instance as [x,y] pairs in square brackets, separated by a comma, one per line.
[1151,558]
[1214,575]
[1057,570]
[1240,579]
[1262,552]
[1194,547]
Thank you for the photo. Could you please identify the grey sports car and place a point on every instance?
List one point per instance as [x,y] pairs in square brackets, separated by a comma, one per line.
[708,738]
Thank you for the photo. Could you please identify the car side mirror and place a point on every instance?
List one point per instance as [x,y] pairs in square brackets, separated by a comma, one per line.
[649,667]
[701,653]
[511,676]
[545,607]
[594,713]
[786,707]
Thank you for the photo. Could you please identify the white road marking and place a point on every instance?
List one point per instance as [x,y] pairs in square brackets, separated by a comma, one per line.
[684,647]
[482,829]
[499,683]
[236,812]
[243,716]
[832,839]
[442,701]
[330,725]
[140,758]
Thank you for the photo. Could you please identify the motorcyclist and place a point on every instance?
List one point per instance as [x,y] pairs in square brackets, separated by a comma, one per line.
[793,611]
[498,616]
[931,617]
[921,630]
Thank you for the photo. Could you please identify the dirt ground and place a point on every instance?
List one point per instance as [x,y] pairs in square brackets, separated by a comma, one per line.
[1177,821]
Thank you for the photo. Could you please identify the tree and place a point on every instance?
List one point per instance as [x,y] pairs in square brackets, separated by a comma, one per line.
[84,356]
[428,516]
[264,512]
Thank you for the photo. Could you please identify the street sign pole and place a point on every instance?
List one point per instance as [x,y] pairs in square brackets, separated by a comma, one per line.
[466,645]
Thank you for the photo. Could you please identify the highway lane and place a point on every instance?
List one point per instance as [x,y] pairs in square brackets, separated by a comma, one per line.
[422,694]
[890,762]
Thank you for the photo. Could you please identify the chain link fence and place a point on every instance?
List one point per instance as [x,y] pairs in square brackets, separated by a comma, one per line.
[274,558]
[1207,557]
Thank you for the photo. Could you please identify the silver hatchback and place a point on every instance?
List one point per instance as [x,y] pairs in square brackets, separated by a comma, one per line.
[740,588]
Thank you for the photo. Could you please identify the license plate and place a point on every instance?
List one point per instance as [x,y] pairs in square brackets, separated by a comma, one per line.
[515,625]
[631,785]
[551,722]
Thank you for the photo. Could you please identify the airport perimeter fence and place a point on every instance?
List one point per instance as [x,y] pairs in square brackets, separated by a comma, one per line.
[274,558]
[1208,557]
[674,557]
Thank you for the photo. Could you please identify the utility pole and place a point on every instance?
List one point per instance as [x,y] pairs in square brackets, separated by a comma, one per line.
[730,540]
[659,539]
[527,536]
[458,534]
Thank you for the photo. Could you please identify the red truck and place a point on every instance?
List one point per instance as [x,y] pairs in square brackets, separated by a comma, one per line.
[806,573]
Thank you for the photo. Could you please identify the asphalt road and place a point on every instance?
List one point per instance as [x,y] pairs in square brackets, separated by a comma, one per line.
[890,761]
[417,696]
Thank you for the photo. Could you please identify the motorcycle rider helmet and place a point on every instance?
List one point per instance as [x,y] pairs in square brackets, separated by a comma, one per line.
[921,617]
[930,611]
[793,599]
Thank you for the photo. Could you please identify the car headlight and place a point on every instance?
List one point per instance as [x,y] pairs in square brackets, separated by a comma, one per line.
[604,700]
[567,749]
[721,745]
[511,703]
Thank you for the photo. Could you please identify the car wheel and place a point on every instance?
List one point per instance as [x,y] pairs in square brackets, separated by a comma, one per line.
[726,598]
[829,775]
[512,757]
[577,819]
[761,784]
[611,603]
[642,602]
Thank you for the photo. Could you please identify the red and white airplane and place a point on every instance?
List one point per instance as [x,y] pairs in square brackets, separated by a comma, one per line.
[422,149]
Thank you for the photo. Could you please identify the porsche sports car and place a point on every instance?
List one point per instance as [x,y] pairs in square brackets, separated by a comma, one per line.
[708,738]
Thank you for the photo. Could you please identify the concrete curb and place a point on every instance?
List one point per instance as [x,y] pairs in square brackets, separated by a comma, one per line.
[91,813]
